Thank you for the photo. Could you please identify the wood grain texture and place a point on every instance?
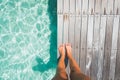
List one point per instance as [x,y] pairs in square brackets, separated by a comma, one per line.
[89,44]
[91,7]
[83,43]
[101,47]
[110,7]
[72,6]
[84,6]
[78,7]
[98,6]
[96,36]
[71,33]
[104,7]
[77,38]
[60,30]
[59,6]
[117,7]
[66,23]
[65,34]
[117,68]
[92,27]
[108,41]
[114,48]
[66,6]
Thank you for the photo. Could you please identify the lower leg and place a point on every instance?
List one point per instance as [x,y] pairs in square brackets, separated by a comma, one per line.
[73,64]
[75,73]
[61,65]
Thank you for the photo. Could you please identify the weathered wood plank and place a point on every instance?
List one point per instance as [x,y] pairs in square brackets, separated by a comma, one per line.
[89,44]
[91,6]
[66,6]
[59,6]
[77,38]
[110,6]
[114,47]
[71,33]
[104,7]
[65,35]
[83,43]
[66,23]
[98,7]
[101,47]
[84,6]
[115,32]
[108,41]
[117,72]
[117,7]
[60,30]
[117,69]
[78,7]
[72,6]
[96,35]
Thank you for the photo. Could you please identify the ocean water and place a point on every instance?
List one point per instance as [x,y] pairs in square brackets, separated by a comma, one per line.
[28,39]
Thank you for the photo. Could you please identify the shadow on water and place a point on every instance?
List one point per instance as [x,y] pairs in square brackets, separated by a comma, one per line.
[41,66]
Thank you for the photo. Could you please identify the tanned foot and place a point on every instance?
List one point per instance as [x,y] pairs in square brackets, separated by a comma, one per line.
[62,50]
[69,50]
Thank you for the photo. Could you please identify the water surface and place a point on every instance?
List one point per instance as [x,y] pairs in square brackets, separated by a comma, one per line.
[28,39]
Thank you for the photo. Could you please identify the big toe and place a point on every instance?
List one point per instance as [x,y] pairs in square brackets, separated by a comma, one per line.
[68,46]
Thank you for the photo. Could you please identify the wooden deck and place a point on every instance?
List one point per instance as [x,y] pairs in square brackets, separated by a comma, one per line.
[93,29]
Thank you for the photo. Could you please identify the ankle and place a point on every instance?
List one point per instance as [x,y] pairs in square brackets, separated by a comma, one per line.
[70,57]
[62,57]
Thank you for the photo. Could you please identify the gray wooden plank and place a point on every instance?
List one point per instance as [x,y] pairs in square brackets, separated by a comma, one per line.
[96,35]
[117,69]
[117,7]
[91,6]
[59,30]
[77,38]
[108,41]
[78,6]
[72,6]
[66,35]
[101,46]
[66,6]
[89,44]
[110,6]
[83,43]
[117,72]
[115,32]
[114,47]
[84,6]
[104,6]
[71,33]
[98,7]
[66,23]
[59,6]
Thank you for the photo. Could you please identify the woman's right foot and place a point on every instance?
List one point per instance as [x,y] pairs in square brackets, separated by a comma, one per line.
[69,50]
[62,50]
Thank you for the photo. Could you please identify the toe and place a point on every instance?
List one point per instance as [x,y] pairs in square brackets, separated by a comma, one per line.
[67,44]
[62,45]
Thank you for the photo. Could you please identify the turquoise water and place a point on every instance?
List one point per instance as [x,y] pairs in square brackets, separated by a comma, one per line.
[28,43]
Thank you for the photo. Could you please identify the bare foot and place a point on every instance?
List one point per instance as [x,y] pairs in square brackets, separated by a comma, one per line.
[69,50]
[62,50]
